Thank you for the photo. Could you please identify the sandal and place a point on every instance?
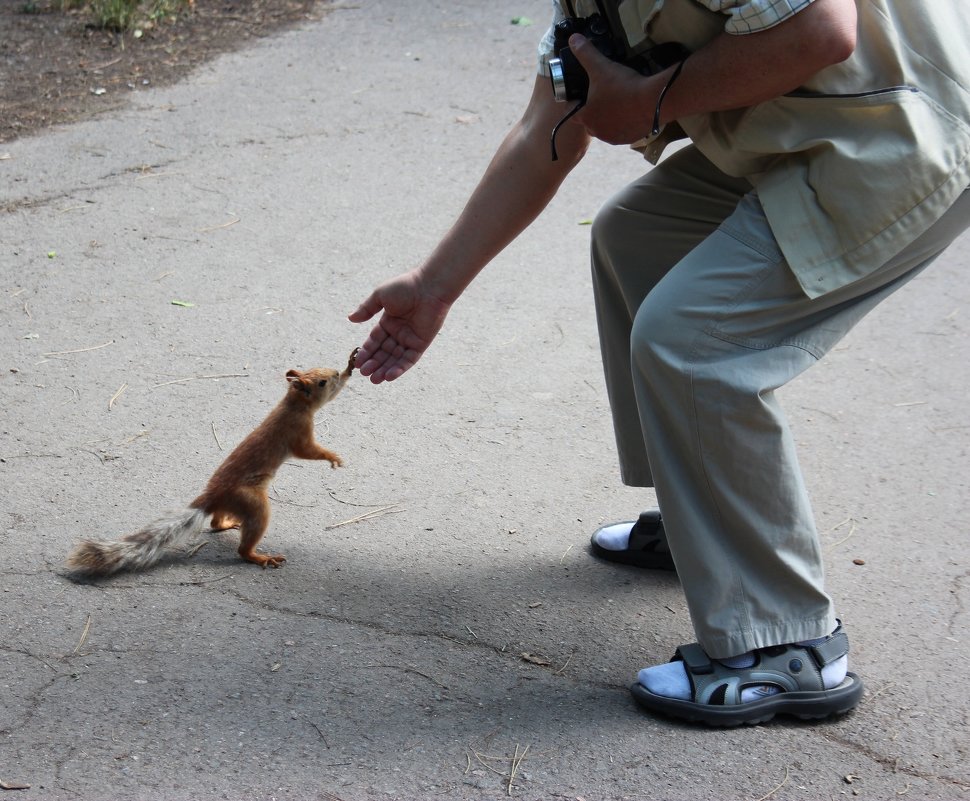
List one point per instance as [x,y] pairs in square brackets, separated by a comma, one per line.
[647,546]
[793,669]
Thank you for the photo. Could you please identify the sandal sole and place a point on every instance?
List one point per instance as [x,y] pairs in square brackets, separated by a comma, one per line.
[814,705]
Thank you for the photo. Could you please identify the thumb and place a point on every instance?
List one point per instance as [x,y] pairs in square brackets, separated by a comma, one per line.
[586,54]
[366,310]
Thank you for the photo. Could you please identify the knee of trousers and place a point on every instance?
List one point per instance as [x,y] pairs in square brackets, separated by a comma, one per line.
[673,346]
[661,338]
[607,230]
[624,238]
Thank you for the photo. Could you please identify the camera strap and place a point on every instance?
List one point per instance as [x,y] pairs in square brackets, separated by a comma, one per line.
[655,128]
[576,108]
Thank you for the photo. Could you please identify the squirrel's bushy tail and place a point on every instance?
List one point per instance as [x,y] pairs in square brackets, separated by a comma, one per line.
[138,550]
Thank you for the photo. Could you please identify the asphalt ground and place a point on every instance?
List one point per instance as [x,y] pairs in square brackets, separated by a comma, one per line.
[439,630]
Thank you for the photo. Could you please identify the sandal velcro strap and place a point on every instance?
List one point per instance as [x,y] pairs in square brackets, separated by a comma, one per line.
[695,659]
[830,649]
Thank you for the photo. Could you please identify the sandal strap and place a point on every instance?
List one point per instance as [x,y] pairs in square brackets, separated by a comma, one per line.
[834,647]
[648,533]
[791,668]
[695,659]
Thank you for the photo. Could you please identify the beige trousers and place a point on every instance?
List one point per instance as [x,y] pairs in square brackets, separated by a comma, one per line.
[700,321]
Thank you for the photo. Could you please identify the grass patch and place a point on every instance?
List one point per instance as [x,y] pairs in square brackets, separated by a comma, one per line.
[123,15]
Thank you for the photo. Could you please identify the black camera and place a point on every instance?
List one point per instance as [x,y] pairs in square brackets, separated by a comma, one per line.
[605,32]
[569,79]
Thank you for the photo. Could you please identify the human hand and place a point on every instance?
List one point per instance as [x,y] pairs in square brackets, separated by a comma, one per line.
[412,318]
[620,102]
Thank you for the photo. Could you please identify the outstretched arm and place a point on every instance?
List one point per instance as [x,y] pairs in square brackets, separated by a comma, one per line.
[517,185]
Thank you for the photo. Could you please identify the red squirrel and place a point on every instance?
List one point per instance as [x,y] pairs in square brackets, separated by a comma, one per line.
[236,495]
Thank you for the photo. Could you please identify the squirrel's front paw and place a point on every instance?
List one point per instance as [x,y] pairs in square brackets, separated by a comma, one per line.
[336,462]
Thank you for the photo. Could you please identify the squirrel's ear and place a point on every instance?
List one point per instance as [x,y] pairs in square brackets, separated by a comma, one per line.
[293,375]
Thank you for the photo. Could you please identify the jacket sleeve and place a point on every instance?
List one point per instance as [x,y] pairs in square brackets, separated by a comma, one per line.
[750,16]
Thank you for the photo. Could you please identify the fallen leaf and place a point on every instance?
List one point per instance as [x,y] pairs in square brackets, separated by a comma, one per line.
[536,660]
[521,21]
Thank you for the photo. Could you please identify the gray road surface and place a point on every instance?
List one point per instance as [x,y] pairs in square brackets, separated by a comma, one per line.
[439,630]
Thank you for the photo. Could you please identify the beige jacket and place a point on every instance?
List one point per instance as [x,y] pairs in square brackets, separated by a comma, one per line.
[863,158]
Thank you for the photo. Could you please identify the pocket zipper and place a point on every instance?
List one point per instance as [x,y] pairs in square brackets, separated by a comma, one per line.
[853,95]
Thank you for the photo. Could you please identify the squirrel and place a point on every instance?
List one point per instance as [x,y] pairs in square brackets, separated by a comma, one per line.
[236,495]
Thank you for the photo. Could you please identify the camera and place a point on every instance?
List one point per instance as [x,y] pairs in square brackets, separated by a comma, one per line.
[569,79]
[606,33]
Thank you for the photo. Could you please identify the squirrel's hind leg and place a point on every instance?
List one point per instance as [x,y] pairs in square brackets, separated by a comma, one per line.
[222,521]
[254,522]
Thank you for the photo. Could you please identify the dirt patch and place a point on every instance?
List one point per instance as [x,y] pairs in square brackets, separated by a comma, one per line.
[56,67]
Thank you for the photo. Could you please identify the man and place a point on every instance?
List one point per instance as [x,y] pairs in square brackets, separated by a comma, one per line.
[829,161]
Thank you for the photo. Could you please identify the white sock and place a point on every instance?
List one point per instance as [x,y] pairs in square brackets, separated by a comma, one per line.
[670,679]
[615,537]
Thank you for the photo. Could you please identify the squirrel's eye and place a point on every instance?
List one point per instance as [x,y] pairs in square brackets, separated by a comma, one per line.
[323,382]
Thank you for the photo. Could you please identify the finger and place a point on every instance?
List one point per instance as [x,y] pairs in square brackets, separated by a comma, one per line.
[390,372]
[373,363]
[371,347]
[369,368]
[395,372]
[366,310]
[382,356]
[395,360]
[387,362]
[378,368]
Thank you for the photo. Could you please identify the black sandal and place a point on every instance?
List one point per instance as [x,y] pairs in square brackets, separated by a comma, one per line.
[647,547]
[794,669]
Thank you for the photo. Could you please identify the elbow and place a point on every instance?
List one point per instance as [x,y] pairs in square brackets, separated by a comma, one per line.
[843,46]
[821,35]
[840,32]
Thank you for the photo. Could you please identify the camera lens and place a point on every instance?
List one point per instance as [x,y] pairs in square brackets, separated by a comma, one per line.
[558,77]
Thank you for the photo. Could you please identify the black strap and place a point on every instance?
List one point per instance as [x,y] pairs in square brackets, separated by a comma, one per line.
[579,105]
[695,659]
[655,129]
[832,648]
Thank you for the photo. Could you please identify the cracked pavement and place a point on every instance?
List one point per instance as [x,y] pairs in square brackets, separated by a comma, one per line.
[439,629]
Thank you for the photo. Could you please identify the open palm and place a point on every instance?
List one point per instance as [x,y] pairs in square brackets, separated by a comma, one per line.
[411,320]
